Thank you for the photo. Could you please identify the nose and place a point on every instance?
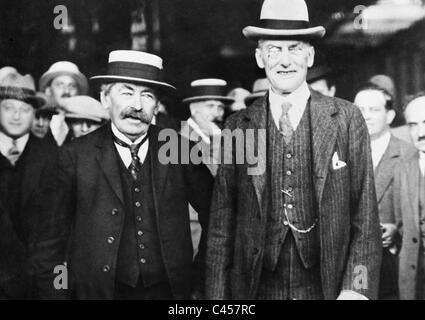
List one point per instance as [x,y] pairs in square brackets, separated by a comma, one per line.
[137,103]
[39,122]
[16,115]
[285,59]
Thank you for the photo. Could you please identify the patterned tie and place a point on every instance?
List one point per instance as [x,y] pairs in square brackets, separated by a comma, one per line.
[285,124]
[13,153]
[135,165]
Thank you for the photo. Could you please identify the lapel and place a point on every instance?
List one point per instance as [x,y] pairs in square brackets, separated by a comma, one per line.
[34,162]
[158,171]
[108,161]
[384,170]
[413,173]
[325,129]
[256,115]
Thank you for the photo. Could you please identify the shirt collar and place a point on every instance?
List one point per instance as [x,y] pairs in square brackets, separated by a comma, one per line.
[422,162]
[6,142]
[382,141]
[298,98]
[122,137]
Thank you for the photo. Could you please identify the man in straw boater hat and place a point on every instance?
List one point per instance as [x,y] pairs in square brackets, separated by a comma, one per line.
[307,227]
[25,162]
[128,209]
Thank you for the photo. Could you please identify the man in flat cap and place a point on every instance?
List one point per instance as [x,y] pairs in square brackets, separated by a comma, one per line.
[127,206]
[25,162]
[43,116]
[307,226]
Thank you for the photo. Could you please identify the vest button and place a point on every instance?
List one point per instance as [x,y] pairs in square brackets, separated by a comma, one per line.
[111,240]
[106,268]
[142,246]
[138,204]
[136,190]
[114,212]
[140,233]
[139,219]
[143,260]
[290,206]
[286,223]
[415,240]
[289,172]
[289,156]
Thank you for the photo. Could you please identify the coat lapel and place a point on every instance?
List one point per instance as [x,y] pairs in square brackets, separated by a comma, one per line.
[108,161]
[384,172]
[324,135]
[257,118]
[413,174]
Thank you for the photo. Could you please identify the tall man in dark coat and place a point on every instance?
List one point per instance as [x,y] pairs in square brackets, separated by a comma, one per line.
[128,207]
[25,161]
[305,227]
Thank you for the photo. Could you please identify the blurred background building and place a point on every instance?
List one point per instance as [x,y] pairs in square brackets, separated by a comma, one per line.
[203,38]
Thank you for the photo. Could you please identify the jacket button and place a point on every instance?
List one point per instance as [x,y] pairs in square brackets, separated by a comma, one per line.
[415,240]
[106,268]
[138,204]
[136,190]
[111,240]
[143,260]
[114,212]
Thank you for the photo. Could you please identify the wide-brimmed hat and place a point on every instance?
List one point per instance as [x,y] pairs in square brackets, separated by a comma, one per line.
[259,89]
[209,89]
[134,67]
[13,85]
[84,107]
[64,68]
[283,19]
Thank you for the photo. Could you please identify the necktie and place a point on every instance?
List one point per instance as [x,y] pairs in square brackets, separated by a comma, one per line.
[13,153]
[284,123]
[135,165]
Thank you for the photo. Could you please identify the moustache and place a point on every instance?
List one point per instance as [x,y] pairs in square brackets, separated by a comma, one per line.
[66,95]
[134,114]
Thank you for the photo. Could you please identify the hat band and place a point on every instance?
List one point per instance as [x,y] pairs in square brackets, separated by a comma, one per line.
[208,91]
[284,24]
[16,93]
[134,70]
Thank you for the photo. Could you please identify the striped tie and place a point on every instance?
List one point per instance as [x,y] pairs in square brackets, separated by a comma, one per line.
[13,154]
[285,124]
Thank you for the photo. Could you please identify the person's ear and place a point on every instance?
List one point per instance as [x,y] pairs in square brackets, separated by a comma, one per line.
[390,116]
[259,58]
[105,100]
[310,56]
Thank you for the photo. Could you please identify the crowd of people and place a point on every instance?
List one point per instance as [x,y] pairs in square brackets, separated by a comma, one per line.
[338,211]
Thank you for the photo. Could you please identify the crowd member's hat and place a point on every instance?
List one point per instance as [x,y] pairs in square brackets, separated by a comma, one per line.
[5,71]
[16,86]
[64,68]
[259,89]
[84,107]
[135,67]
[385,83]
[209,89]
[49,108]
[317,73]
[283,19]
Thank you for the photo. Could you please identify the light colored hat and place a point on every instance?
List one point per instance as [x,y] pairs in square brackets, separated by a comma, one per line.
[13,85]
[259,89]
[209,89]
[6,70]
[385,83]
[134,67]
[282,19]
[64,68]
[84,107]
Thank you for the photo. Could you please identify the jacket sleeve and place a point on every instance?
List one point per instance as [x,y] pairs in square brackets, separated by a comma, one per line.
[364,260]
[55,226]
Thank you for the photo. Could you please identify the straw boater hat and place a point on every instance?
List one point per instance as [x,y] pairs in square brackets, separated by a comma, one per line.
[64,68]
[135,67]
[209,89]
[283,19]
[16,86]
[259,89]
[84,107]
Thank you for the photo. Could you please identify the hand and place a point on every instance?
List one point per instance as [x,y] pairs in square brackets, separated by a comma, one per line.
[389,231]
[351,295]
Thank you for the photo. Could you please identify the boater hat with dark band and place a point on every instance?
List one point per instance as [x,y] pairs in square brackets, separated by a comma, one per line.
[283,19]
[134,67]
[209,89]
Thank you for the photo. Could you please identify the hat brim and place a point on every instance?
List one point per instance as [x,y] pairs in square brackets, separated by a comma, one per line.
[203,98]
[250,99]
[85,117]
[256,33]
[81,79]
[35,101]
[162,86]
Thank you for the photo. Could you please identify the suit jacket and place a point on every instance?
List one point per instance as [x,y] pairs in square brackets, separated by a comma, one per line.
[17,241]
[88,195]
[407,207]
[348,217]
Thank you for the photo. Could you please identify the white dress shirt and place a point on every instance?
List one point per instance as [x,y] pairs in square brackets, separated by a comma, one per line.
[6,143]
[298,99]
[422,162]
[124,152]
[59,128]
[379,146]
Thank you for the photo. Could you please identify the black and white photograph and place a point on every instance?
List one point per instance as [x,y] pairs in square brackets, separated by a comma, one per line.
[212,154]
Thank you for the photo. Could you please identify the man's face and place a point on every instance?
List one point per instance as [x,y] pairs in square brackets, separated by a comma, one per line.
[285,62]
[415,119]
[322,86]
[372,105]
[63,86]
[81,127]
[16,117]
[41,124]
[208,111]
[131,108]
